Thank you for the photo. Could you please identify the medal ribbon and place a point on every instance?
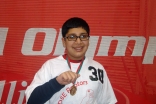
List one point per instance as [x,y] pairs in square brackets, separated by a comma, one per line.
[79,68]
[73,88]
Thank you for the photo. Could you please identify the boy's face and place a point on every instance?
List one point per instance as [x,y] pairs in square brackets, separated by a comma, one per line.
[76,49]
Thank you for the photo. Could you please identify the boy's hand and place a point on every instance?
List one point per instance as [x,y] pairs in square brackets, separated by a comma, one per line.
[67,77]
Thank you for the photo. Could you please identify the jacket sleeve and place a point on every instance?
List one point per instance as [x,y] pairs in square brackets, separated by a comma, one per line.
[43,86]
[44,92]
[106,94]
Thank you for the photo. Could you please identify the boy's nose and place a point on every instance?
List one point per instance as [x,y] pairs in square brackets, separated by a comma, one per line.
[78,40]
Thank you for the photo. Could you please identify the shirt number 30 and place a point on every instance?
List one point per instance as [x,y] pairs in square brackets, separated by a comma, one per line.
[95,76]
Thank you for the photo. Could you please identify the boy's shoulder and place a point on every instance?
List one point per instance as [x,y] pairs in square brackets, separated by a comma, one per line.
[93,62]
[57,59]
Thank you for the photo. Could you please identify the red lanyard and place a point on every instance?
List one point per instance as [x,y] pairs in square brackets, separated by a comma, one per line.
[80,66]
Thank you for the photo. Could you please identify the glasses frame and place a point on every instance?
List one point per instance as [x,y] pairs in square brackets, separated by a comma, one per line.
[77,37]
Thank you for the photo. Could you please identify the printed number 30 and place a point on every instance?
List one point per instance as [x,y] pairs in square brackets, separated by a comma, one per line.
[95,77]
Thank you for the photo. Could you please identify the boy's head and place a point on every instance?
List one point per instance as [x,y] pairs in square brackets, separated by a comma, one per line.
[75,38]
[74,22]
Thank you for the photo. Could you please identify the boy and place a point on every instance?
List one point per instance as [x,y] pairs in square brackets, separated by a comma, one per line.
[71,78]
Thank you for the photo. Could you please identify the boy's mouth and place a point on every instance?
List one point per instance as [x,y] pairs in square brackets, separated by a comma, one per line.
[78,49]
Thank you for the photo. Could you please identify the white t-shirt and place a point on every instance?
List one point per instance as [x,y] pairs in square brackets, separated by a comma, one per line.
[93,85]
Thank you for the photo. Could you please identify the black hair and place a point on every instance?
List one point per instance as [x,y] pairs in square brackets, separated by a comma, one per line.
[74,22]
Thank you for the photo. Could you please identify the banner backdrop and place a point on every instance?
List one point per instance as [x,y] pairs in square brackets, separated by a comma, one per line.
[123,40]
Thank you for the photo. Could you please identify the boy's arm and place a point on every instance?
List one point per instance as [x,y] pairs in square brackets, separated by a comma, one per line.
[106,94]
[44,92]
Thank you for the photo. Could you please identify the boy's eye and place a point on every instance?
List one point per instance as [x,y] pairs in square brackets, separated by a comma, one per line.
[83,36]
[72,36]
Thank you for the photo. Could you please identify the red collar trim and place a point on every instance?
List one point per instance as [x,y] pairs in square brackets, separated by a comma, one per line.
[73,61]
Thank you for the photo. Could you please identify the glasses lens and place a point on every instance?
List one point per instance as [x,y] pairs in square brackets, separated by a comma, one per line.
[72,37]
[84,37]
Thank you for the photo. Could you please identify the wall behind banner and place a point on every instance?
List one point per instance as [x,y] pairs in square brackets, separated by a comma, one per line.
[123,39]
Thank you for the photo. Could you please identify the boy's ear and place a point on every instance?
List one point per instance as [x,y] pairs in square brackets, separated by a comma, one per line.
[63,43]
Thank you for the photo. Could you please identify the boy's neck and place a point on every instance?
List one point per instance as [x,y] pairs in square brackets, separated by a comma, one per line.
[71,60]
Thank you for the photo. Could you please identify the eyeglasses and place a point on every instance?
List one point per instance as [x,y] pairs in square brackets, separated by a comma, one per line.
[74,37]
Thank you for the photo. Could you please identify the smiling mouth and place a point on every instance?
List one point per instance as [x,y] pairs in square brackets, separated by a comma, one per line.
[78,49]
